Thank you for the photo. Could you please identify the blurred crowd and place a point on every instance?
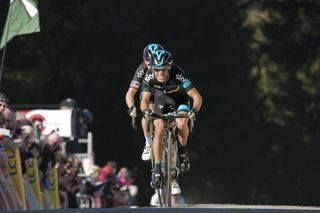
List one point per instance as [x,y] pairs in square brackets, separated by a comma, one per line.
[105,186]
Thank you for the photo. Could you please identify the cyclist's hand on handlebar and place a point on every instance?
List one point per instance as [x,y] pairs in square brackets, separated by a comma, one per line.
[193,114]
[132,111]
[147,113]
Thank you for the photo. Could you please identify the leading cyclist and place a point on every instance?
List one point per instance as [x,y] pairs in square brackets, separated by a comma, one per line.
[170,87]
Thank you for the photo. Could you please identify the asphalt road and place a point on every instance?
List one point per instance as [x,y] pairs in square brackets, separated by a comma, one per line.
[201,208]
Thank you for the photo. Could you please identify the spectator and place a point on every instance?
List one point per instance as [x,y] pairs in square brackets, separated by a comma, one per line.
[126,180]
[69,180]
[3,158]
[107,176]
[4,100]
[54,139]
[2,121]
[7,135]
[122,176]
[10,118]
[38,126]
[107,171]
[94,171]
[26,150]
[49,150]
[21,119]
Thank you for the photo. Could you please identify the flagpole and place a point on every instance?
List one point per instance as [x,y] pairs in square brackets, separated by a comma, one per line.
[5,46]
[2,61]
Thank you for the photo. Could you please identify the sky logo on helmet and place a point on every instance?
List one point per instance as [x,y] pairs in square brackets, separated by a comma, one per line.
[161,59]
[150,49]
[153,48]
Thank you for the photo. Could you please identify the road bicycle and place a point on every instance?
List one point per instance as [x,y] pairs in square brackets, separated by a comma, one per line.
[170,156]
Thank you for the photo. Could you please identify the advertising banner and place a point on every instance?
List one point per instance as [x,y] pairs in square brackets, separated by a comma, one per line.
[52,120]
[34,179]
[54,190]
[15,172]
[32,202]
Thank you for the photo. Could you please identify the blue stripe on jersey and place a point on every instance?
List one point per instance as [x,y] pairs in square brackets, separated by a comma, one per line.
[183,107]
[186,83]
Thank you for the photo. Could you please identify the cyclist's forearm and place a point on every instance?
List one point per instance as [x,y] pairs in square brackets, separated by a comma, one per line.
[130,97]
[196,97]
[197,102]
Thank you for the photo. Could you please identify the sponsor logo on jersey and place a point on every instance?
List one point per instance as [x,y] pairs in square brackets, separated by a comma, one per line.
[148,77]
[140,73]
[180,78]
[135,84]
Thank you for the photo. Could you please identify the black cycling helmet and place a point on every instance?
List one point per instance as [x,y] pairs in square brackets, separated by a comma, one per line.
[149,50]
[161,59]
[4,98]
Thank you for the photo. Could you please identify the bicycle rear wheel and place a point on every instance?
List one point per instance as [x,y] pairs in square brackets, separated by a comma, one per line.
[168,177]
[161,192]
[164,193]
[169,170]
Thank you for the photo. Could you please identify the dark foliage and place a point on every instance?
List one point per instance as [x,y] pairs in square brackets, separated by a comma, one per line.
[256,63]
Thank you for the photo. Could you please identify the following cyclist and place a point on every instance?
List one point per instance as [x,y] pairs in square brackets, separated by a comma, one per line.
[171,88]
[132,90]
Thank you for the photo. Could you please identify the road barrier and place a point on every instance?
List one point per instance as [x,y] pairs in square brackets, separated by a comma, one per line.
[53,190]
[15,172]
[34,179]
[23,192]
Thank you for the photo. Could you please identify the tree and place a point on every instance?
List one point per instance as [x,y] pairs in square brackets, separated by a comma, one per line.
[286,61]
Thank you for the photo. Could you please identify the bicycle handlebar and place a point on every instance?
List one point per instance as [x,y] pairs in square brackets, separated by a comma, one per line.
[169,116]
[172,116]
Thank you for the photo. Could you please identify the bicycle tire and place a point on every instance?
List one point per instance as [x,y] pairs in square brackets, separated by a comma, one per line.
[169,170]
[170,166]
[175,159]
[161,191]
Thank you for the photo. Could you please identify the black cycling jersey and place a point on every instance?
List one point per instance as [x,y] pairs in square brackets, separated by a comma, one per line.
[177,84]
[173,93]
[138,76]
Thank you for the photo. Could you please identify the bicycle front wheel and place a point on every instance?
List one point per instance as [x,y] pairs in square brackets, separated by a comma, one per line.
[168,192]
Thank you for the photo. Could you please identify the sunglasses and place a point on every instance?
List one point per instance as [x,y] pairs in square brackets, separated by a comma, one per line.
[158,70]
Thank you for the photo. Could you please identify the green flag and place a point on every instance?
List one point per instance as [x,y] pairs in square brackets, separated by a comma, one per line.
[22,18]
